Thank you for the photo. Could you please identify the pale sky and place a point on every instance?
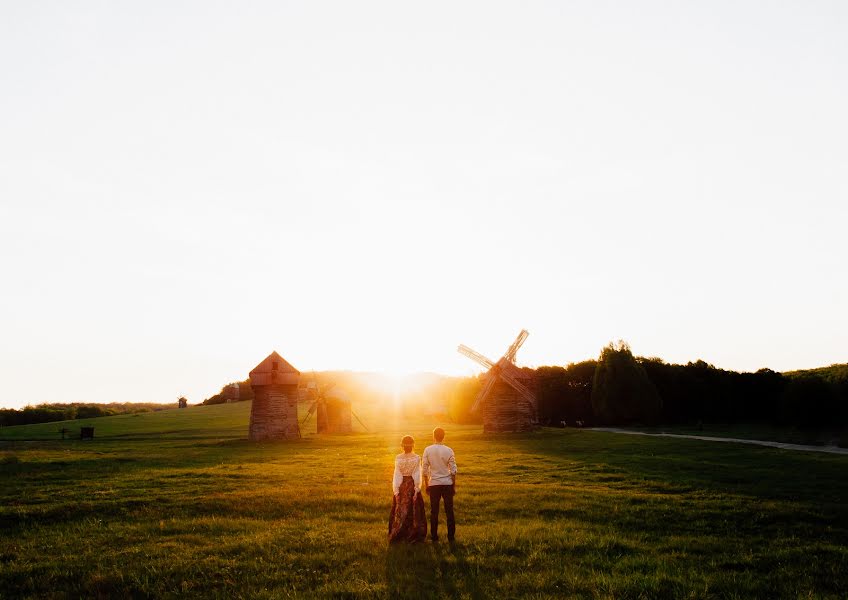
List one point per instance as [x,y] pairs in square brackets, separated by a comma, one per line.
[185,187]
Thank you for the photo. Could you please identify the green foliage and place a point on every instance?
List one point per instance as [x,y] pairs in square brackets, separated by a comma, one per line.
[565,393]
[621,390]
[806,398]
[701,393]
[836,408]
[222,397]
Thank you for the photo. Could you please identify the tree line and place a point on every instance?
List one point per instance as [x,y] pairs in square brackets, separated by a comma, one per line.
[50,412]
[617,388]
[622,389]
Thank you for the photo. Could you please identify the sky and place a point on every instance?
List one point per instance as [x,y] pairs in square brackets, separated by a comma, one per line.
[187,186]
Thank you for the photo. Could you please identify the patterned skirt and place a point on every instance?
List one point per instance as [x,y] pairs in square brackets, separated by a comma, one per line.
[407,521]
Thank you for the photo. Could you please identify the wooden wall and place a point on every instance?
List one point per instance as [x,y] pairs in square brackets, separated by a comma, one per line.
[338,416]
[506,410]
[273,415]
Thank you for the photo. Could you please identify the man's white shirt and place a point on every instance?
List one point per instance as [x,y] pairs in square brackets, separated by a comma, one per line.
[439,464]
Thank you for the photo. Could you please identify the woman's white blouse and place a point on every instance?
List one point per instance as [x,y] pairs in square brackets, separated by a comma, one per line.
[407,465]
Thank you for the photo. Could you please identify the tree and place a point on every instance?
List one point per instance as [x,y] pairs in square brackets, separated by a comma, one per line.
[808,401]
[621,390]
[564,393]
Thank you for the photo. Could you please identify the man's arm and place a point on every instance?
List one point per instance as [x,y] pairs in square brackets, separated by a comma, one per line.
[425,471]
[452,466]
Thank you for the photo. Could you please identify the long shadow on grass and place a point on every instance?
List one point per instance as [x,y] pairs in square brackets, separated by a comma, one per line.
[431,571]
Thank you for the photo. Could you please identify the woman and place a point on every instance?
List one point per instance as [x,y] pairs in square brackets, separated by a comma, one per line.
[407,521]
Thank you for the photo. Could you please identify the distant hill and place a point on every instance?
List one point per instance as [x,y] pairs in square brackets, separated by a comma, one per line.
[228,420]
[54,412]
[834,373]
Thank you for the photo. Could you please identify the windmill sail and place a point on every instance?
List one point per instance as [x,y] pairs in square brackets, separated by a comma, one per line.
[506,402]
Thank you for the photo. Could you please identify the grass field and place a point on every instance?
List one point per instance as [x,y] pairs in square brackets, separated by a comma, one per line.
[179,504]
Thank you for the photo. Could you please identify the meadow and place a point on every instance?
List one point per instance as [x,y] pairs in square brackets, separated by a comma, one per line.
[179,504]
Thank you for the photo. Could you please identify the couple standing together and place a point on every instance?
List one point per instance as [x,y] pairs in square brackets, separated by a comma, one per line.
[408,521]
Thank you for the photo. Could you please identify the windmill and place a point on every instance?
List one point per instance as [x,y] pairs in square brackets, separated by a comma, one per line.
[333,408]
[507,403]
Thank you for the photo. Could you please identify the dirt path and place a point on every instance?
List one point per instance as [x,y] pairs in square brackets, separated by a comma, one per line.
[707,438]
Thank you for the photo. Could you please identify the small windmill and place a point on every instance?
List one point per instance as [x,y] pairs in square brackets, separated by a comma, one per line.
[508,404]
[333,408]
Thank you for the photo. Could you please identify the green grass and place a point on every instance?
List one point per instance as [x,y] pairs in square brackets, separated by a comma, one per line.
[178,504]
[226,420]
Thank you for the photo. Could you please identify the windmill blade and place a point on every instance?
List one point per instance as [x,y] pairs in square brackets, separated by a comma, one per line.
[475,356]
[518,387]
[487,387]
[360,420]
[313,386]
[322,392]
[513,350]
[309,412]
[510,368]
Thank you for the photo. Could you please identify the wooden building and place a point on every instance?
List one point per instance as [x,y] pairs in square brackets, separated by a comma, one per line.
[332,409]
[505,409]
[506,400]
[273,414]
[337,413]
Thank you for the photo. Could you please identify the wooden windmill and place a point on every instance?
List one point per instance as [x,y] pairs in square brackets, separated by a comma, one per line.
[506,401]
[333,409]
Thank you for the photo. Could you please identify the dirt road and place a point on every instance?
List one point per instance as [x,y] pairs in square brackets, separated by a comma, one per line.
[707,438]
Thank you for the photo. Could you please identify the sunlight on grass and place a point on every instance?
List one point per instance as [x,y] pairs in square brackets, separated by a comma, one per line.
[180,504]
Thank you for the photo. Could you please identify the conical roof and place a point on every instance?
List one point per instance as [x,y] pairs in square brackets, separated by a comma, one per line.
[274,370]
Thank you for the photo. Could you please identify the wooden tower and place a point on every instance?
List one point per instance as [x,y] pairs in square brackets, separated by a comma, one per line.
[338,415]
[333,409]
[506,401]
[273,415]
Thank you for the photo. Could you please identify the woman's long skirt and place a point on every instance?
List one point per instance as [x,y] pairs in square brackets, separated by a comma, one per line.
[407,521]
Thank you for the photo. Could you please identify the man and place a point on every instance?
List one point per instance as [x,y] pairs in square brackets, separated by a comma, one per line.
[440,482]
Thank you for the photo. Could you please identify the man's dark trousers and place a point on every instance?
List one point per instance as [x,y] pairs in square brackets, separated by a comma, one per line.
[437,492]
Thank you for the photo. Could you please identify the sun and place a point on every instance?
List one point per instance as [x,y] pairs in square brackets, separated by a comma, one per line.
[395,385]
